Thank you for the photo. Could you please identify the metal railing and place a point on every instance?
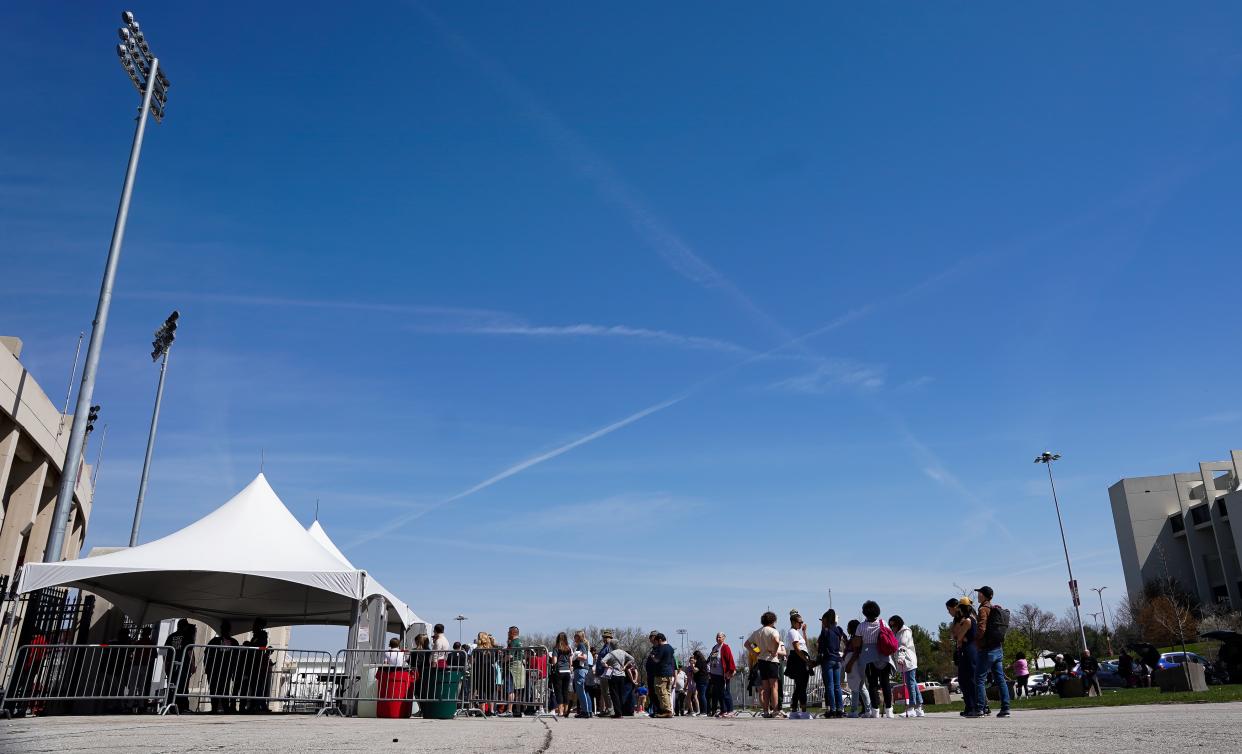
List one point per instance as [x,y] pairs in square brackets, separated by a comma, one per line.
[111,678]
[228,678]
[388,682]
[508,681]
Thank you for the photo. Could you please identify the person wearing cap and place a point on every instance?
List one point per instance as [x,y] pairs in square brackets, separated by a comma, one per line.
[831,649]
[601,675]
[991,656]
[798,665]
[965,630]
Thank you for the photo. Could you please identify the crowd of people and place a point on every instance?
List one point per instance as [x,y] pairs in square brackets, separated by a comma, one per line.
[857,662]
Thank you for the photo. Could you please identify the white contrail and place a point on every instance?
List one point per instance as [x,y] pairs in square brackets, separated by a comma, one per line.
[400,521]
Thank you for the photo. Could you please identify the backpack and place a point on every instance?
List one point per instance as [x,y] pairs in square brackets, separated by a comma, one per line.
[886,642]
[998,626]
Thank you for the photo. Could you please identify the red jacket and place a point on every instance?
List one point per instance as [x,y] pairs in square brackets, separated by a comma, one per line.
[726,661]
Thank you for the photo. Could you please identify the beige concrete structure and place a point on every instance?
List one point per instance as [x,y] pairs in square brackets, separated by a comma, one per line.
[33,434]
[1181,522]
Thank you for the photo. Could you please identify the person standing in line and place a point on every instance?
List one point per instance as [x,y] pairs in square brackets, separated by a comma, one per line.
[650,665]
[420,668]
[440,645]
[516,672]
[183,657]
[798,665]
[875,665]
[679,690]
[1090,668]
[1125,668]
[993,624]
[621,670]
[221,667]
[702,679]
[661,668]
[764,646]
[260,677]
[582,661]
[830,647]
[1022,675]
[604,708]
[965,630]
[856,676]
[907,663]
[562,673]
[721,667]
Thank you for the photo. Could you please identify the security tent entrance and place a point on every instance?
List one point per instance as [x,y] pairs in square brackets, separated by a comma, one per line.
[247,559]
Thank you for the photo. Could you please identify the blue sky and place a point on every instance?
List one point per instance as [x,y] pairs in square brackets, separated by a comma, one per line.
[653,315]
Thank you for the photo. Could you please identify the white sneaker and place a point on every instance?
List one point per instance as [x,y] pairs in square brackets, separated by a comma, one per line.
[873,714]
[888,713]
[919,712]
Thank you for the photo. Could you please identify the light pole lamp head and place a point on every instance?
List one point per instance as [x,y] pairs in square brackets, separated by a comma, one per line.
[1047,457]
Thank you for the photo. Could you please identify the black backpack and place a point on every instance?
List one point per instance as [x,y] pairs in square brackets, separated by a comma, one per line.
[998,626]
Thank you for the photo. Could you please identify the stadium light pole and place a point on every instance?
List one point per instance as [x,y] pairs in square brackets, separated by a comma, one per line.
[460,619]
[1046,458]
[144,71]
[160,347]
[1108,640]
[683,633]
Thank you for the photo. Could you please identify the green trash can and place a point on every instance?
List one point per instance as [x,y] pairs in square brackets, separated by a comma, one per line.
[447,688]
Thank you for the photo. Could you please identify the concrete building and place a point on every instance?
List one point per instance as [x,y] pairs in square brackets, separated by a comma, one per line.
[33,435]
[1181,521]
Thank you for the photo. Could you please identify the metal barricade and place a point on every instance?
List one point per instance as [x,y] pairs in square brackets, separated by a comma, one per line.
[224,678]
[508,682]
[85,678]
[388,682]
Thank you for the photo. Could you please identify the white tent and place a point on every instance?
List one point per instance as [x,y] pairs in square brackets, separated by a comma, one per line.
[248,558]
[371,587]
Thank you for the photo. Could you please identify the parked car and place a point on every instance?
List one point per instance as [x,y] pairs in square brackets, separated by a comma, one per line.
[1108,676]
[1039,683]
[954,686]
[899,689]
[1175,660]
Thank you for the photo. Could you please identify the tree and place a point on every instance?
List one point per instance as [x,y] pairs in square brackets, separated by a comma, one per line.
[933,664]
[1036,623]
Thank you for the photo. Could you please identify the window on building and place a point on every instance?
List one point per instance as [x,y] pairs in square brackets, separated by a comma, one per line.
[1200,515]
[1222,508]
[1220,593]
[1179,526]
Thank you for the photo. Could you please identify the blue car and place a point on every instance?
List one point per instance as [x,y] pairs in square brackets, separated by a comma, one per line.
[1175,660]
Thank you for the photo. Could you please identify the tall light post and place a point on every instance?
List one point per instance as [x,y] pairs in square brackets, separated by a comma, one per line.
[160,347]
[460,620]
[144,71]
[1108,640]
[1046,458]
[683,633]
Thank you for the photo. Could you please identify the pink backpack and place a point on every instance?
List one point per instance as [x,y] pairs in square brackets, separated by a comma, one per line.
[886,642]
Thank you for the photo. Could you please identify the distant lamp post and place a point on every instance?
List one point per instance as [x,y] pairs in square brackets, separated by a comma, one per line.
[160,347]
[1047,458]
[460,620]
[683,633]
[1108,639]
[143,69]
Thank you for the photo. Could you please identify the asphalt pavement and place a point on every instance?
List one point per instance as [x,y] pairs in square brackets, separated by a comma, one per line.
[1164,728]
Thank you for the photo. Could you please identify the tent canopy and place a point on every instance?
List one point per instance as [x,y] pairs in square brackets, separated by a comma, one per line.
[249,558]
[371,587]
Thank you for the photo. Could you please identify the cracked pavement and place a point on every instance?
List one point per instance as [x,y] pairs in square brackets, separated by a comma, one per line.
[1170,728]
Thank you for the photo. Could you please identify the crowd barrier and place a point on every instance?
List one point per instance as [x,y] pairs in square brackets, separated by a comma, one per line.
[223,678]
[508,681]
[86,678]
[388,682]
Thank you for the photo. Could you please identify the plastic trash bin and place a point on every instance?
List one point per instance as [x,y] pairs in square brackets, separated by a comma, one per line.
[393,685]
[445,707]
[367,691]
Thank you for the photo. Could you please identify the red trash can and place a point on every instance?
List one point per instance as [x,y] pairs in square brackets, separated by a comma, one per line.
[393,685]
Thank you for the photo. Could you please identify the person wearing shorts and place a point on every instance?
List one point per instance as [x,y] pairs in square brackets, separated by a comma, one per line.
[764,647]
